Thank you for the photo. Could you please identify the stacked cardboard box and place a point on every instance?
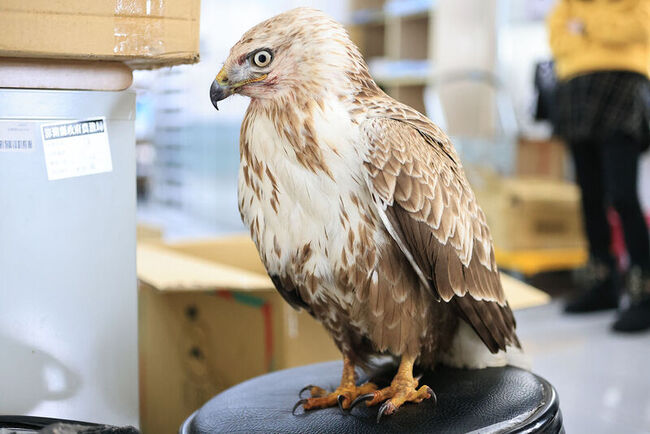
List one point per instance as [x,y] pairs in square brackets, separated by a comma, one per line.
[542,159]
[68,44]
[144,34]
[532,213]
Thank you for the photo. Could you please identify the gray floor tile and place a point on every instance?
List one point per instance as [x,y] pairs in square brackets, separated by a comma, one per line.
[602,378]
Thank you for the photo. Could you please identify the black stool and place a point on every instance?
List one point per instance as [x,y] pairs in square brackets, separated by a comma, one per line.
[493,400]
[46,425]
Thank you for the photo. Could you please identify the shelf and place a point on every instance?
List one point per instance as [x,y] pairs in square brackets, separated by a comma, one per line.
[400,72]
[409,8]
[394,38]
[367,16]
[404,9]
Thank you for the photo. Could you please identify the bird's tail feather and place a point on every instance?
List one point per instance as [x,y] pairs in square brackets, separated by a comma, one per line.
[468,351]
[517,357]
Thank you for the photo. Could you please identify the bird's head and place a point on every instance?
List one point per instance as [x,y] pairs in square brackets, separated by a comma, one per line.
[302,51]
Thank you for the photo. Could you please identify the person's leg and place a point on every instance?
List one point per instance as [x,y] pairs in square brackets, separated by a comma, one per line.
[621,171]
[600,289]
[621,155]
[589,175]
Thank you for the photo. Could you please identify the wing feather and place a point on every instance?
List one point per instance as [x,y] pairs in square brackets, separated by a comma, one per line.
[430,211]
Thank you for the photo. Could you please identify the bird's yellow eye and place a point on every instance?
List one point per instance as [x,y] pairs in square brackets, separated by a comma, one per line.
[262,58]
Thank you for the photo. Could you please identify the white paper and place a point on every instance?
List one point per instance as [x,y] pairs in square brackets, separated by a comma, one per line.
[16,136]
[76,148]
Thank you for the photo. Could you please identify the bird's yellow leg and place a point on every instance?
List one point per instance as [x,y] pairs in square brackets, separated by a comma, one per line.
[402,389]
[342,396]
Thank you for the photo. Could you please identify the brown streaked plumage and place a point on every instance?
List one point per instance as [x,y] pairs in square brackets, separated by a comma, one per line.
[360,209]
[433,216]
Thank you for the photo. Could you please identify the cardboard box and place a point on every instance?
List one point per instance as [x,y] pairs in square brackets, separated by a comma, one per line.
[211,318]
[532,213]
[144,34]
[148,232]
[542,159]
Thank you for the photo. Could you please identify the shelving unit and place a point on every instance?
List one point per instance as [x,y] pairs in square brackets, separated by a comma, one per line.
[168,174]
[440,57]
[447,46]
[395,38]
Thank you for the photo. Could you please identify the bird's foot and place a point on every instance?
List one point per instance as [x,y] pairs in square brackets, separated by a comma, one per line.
[343,396]
[400,391]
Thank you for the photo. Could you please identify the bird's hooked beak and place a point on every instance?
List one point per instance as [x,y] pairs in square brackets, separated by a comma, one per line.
[220,89]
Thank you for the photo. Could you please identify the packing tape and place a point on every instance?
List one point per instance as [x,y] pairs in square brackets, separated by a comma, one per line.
[137,27]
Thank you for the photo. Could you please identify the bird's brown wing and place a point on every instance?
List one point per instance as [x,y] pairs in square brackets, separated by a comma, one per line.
[430,211]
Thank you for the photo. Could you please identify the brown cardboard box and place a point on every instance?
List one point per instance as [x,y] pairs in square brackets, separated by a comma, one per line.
[144,34]
[532,213]
[148,232]
[211,318]
[541,158]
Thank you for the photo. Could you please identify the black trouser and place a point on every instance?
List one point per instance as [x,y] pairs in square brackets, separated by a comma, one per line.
[607,170]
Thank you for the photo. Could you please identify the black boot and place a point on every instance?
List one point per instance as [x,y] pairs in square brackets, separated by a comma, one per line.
[599,289]
[634,314]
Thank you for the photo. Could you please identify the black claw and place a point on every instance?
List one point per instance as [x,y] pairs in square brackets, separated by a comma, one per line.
[298,404]
[307,387]
[383,409]
[433,398]
[361,398]
[340,400]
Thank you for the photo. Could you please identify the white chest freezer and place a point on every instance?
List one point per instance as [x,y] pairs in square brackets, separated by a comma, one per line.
[68,300]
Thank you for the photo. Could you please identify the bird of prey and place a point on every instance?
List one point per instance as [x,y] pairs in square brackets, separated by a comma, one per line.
[361,211]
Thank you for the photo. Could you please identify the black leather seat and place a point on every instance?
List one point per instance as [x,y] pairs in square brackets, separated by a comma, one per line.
[46,425]
[493,400]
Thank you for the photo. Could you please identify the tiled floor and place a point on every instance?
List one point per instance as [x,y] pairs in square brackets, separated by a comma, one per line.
[602,378]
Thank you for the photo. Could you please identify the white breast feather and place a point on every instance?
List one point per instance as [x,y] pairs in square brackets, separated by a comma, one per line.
[309,203]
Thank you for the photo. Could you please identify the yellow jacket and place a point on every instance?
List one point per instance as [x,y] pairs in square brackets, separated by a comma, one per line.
[607,35]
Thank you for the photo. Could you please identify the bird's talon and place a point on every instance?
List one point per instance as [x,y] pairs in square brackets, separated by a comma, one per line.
[432,396]
[298,404]
[340,399]
[387,408]
[361,398]
[307,387]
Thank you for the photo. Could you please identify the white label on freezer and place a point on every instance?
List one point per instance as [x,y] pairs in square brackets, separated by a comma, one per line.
[16,136]
[76,148]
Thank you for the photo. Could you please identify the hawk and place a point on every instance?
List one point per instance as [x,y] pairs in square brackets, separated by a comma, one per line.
[361,211]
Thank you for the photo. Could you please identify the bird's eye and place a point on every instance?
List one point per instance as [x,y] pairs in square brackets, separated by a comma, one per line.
[262,58]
